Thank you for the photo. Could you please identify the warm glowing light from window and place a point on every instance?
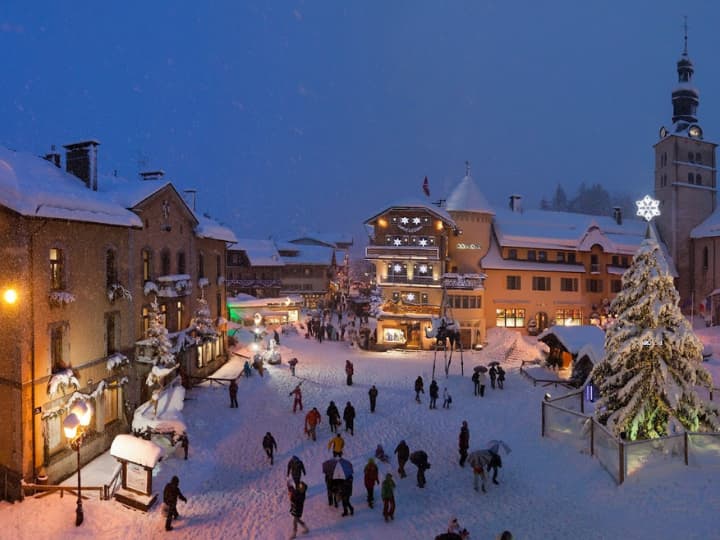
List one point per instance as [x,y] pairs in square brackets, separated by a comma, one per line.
[10,296]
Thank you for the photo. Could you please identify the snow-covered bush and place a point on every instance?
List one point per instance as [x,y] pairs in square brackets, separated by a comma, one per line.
[61,298]
[159,349]
[150,287]
[116,361]
[62,380]
[116,291]
[202,323]
[203,282]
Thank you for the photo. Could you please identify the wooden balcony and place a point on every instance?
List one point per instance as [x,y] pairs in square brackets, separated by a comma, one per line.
[403,253]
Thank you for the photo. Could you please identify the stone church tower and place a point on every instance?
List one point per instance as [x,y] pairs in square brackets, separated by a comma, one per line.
[685,175]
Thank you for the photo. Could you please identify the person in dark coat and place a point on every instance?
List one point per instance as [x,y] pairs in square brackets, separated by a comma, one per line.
[434,393]
[346,488]
[233,390]
[297,401]
[373,392]
[185,444]
[463,443]
[387,492]
[276,337]
[500,377]
[495,463]
[328,468]
[420,459]
[493,375]
[171,494]
[349,417]
[333,415]
[403,454]
[295,468]
[349,371]
[297,504]
[269,445]
[371,478]
[293,362]
[476,382]
[419,388]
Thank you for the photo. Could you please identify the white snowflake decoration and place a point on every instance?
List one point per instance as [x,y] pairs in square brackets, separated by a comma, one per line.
[416,221]
[397,242]
[397,268]
[423,268]
[404,220]
[411,297]
[648,208]
[423,242]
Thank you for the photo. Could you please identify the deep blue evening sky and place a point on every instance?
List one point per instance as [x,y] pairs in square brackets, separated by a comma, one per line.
[291,115]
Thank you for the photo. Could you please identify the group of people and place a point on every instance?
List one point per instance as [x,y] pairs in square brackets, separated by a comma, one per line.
[479,379]
[434,391]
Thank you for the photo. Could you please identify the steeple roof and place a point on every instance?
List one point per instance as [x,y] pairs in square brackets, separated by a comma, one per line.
[467,197]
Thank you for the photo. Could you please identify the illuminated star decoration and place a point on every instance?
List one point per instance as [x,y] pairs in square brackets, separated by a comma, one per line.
[416,221]
[423,268]
[397,268]
[397,241]
[648,208]
[404,220]
[423,242]
[411,297]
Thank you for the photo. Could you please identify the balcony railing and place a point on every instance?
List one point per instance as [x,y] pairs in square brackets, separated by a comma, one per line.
[174,285]
[416,280]
[403,252]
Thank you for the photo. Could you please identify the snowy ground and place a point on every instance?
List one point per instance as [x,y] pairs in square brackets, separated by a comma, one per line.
[546,491]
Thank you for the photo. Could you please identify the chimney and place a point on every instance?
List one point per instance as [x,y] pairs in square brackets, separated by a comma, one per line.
[515,203]
[81,160]
[53,157]
[152,175]
[617,214]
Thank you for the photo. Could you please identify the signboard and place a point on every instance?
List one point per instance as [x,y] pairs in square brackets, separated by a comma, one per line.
[136,477]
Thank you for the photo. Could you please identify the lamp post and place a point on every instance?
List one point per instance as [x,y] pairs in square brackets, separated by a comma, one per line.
[75,425]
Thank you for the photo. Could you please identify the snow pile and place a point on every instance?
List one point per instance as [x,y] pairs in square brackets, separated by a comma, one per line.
[61,298]
[62,380]
[510,348]
[163,413]
[115,361]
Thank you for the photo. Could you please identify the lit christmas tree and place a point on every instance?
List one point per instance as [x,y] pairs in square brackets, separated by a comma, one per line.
[652,357]
[202,322]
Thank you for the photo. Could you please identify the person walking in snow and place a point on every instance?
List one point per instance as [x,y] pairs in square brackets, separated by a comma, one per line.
[297,504]
[482,381]
[419,458]
[419,388]
[185,444]
[373,392]
[463,442]
[276,337]
[328,468]
[476,383]
[346,489]
[269,445]
[296,468]
[336,444]
[233,391]
[371,478]
[247,370]
[312,419]
[434,392]
[171,494]
[403,454]
[293,362]
[333,415]
[297,401]
[387,493]
[500,377]
[447,398]
[349,417]
[349,371]
[493,375]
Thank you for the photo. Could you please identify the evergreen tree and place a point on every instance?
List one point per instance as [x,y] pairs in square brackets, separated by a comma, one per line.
[161,347]
[560,201]
[202,322]
[652,358]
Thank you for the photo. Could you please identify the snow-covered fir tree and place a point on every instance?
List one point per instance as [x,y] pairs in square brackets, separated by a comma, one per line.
[652,359]
[202,322]
[160,345]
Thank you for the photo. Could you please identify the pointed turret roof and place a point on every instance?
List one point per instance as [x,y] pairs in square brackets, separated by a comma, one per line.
[467,197]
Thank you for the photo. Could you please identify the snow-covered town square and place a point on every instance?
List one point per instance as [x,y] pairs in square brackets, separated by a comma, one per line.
[546,489]
[359,270]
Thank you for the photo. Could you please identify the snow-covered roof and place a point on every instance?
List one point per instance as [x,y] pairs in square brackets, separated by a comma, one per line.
[467,197]
[493,260]
[136,450]
[566,230]
[415,204]
[209,228]
[259,252]
[709,227]
[250,301]
[35,187]
[304,254]
[575,338]
[328,239]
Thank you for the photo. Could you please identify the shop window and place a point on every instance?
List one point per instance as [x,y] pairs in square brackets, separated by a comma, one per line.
[510,318]
[568,317]
[393,335]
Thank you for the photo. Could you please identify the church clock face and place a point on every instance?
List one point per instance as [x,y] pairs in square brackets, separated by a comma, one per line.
[695,131]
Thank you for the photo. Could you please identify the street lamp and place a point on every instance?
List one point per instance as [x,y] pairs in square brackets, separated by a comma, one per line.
[75,425]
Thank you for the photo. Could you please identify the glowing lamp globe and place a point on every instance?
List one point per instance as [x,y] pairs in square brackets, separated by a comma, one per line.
[70,425]
[10,296]
[83,412]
